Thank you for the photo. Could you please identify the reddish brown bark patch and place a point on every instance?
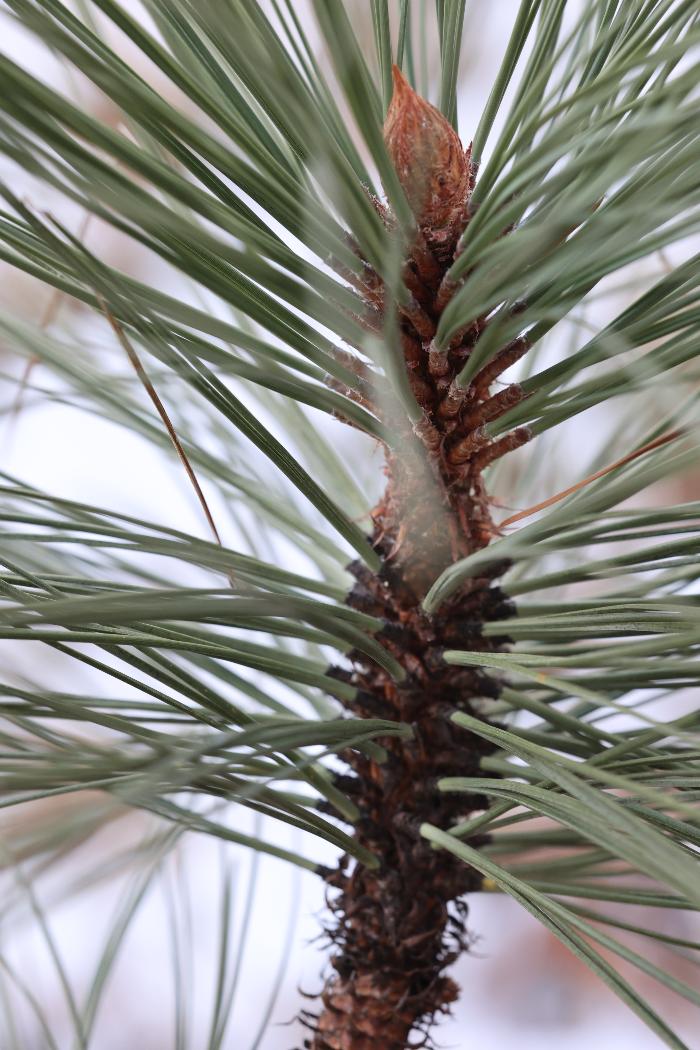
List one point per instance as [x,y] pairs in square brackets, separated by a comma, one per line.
[430,162]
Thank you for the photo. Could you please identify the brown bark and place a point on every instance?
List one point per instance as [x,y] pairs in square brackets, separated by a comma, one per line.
[398,927]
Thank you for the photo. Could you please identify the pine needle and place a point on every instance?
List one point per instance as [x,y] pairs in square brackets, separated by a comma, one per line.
[162,412]
[649,447]
[48,317]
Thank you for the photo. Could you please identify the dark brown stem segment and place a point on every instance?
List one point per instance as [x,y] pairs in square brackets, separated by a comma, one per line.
[397,928]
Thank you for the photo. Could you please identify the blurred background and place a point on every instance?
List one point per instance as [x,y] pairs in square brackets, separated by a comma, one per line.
[520,987]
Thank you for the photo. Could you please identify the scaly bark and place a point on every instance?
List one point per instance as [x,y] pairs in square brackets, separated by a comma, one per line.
[397,928]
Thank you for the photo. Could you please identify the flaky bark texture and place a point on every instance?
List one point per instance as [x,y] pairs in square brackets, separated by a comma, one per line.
[398,927]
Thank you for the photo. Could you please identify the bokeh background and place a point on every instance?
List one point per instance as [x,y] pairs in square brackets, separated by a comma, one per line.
[521,989]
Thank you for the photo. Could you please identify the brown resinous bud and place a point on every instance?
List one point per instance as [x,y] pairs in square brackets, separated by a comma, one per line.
[431,165]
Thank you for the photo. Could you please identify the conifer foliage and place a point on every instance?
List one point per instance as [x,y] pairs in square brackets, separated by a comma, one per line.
[455,698]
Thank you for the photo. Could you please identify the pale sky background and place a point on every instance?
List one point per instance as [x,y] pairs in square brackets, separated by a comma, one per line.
[520,988]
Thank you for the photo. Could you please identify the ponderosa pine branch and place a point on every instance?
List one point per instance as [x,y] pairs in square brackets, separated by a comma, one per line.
[479,739]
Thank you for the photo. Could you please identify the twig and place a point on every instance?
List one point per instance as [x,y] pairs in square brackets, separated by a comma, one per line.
[656,443]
